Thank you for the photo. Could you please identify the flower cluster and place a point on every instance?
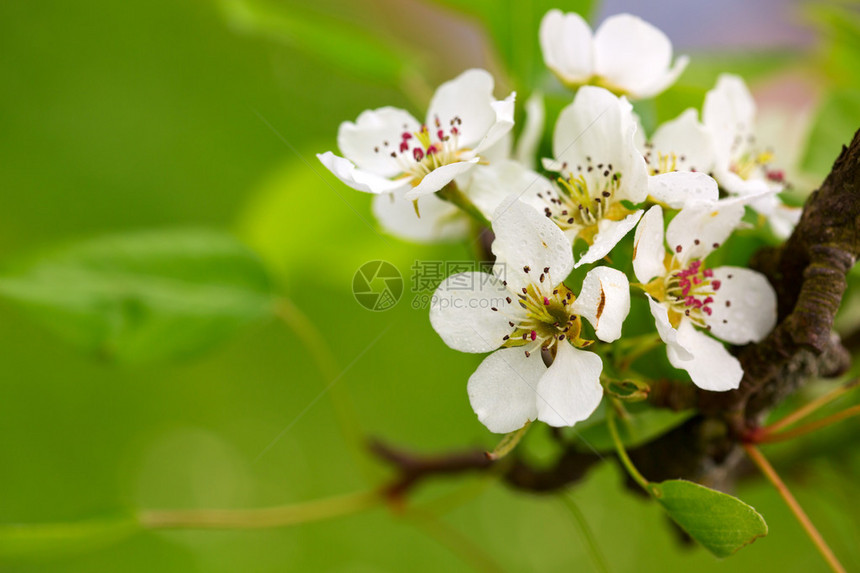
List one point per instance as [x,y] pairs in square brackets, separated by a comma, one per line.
[565,253]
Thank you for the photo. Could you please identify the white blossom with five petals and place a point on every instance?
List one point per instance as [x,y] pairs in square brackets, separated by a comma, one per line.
[625,55]
[601,167]
[524,311]
[388,151]
[504,169]
[734,304]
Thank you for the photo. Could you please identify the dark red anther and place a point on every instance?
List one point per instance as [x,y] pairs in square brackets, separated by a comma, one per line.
[534,335]
[776,175]
[417,154]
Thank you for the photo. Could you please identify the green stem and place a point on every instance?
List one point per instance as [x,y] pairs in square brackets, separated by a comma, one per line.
[453,195]
[508,443]
[641,346]
[587,534]
[767,469]
[279,516]
[324,360]
[622,453]
[770,437]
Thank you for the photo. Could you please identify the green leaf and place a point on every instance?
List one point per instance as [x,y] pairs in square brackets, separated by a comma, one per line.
[58,539]
[721,523]
[333,41]
[837,119]
[144,296]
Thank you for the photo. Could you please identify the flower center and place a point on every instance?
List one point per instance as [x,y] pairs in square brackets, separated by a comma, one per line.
[690,292]
[582,200]
[541,316]
[750,162]
[422,151]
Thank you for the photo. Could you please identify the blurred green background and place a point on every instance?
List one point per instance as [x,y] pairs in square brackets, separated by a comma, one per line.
[120,116]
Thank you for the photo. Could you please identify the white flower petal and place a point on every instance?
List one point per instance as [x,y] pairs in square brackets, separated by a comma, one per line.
[640,138]
[504,111]
[439,177]
[469,96]
[688,140]
[678,188]
[570,389]
[601,126]
[370,140]
[729,115]
[737,185]
[360,180]
[744,308]
[666,331]
[567,46]
[604,301]
[489,185]
[461,312]
[648,250]
[712,367]
[526,238]
[502,390]
[439,220]
[783,219]
[608,235]
[701,227]
[662,82]
[500,150]
[634,56]
[526,151]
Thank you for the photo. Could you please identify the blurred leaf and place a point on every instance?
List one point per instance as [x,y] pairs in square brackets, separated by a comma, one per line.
[53,540]
[513,27]
[276,217]
[721,523]
[840,26]
[349,47]
[145,296]
[837,120]
[639,428]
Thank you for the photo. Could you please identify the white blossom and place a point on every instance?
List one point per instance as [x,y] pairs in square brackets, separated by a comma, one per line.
[504,169]
[389,151]
[625,55]
[742,166]
[600,167]
[523,312]
[686,296]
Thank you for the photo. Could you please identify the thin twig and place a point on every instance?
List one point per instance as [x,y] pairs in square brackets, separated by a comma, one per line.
[767,469]
[770,437]
[811,407]
[278,516]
